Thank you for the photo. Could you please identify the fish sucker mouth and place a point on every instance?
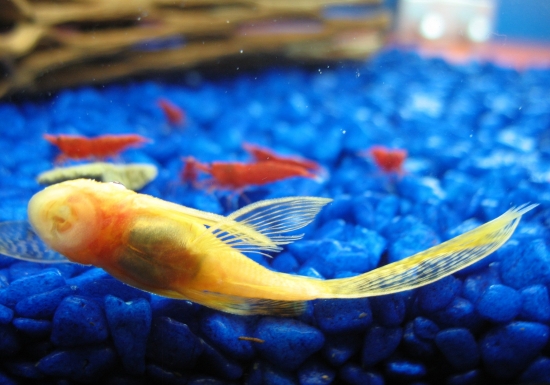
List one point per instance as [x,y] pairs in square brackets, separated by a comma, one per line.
[63,217]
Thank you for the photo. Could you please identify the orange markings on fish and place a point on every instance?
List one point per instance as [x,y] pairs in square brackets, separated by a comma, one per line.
[100,147]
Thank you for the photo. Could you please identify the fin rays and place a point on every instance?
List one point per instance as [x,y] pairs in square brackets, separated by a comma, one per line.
[432,264]
[18,240]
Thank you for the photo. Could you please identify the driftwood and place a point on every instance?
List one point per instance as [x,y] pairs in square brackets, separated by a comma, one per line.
[47,44]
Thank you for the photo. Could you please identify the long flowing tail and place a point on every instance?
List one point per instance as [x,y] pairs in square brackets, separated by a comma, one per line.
[432,264]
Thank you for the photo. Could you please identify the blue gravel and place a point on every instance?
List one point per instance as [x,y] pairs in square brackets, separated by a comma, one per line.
[478,143]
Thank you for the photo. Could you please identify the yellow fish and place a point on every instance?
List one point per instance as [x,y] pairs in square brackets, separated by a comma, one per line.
[179,252]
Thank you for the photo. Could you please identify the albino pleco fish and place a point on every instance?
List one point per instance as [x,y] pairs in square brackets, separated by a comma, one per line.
[179,252]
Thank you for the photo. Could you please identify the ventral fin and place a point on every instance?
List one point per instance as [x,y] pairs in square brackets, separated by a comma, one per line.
[261,227]
[18,240]
[246,306]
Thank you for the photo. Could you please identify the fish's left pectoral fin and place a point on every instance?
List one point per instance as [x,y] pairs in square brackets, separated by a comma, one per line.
[262,226]
[246,306]
[18,240]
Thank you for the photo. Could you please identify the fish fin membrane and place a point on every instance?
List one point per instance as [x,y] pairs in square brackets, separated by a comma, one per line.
[261,226]
[18,240]
[246,306]
[432,264]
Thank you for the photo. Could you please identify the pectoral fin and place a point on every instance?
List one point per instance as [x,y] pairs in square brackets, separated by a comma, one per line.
[261,226]
[18,240]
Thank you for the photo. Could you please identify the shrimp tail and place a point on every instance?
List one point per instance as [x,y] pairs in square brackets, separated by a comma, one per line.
[432,264]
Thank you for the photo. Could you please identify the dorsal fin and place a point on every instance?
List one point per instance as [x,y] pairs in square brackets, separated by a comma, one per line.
[18,240]
[261,226]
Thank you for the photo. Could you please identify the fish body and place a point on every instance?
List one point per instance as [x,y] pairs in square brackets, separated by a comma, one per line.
[179,252]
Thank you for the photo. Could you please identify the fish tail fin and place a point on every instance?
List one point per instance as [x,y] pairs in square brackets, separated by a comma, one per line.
[432,264]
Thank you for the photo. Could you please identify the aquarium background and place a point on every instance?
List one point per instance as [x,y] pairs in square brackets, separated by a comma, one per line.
[478,143]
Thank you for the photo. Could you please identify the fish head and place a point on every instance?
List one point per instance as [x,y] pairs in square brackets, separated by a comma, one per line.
[68,216]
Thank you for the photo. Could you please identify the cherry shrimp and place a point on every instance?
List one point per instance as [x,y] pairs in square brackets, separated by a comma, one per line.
[262,154]
[389,160]
[174,114]
[101,147]
[238,175]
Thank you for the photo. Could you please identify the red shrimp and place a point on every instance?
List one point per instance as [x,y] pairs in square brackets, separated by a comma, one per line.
[190,170]
[100,147]
[174,114]
[262,154]
[238,176]
[389,160]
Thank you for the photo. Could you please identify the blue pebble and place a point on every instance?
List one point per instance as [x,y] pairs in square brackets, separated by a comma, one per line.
[288,343]
[24,269]
[425,328]
[5,380]
[273,375]
[314,372]
[473,377]
[475,284]
[176,309]
[25,369]
[223,330]
[459,313]
[535,304]
[100,287]
[172,345]
[285,262]
[32,327]
[129,324]
[6,315]
[404,370]
[338,348]
[78,321]
[355,375]
[389,310]
[412,241]
[499,303]
[507,350]
[439,294]
[333,229]
[306,250]
[537,373]
[9,343]
[459,348]
[43,305]
[379,344]
[164,376]
[416,346]
[342,207]
[19,289]
[81,365]
[528,264]
[213,362]
[338,316]
[204,380]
